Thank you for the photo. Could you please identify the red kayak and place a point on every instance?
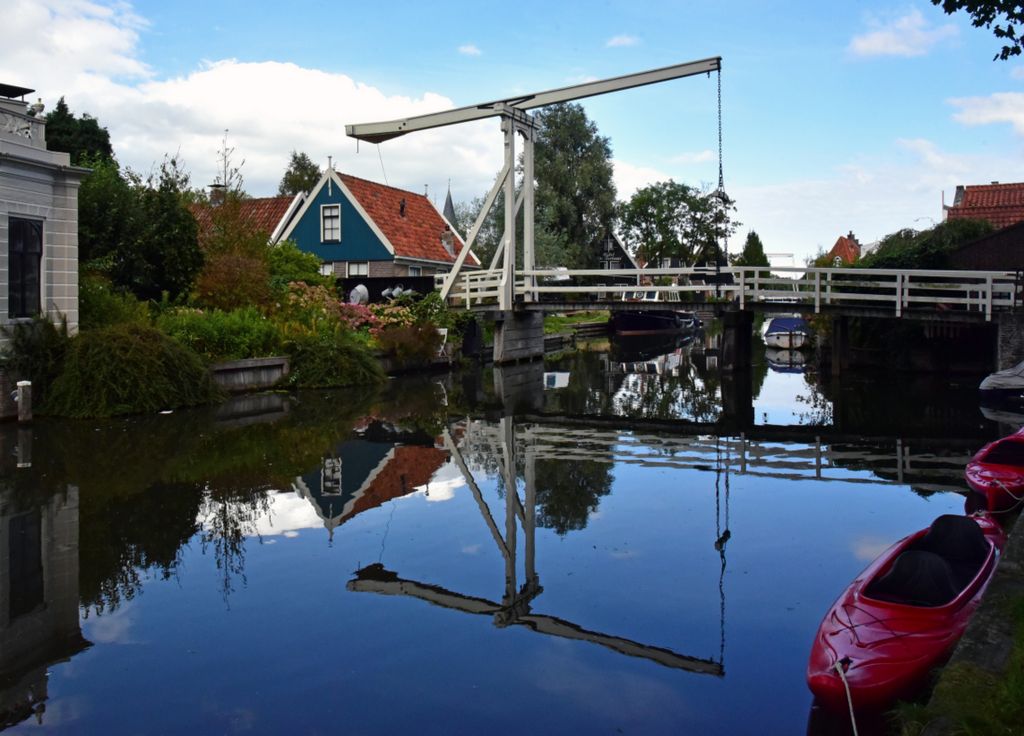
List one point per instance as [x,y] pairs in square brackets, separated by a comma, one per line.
[903,615]
[997,472]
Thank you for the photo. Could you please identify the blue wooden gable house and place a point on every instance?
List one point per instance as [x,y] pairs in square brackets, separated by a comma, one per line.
[361,228]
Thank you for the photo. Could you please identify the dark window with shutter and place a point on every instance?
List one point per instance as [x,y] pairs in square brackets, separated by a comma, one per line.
[24,258]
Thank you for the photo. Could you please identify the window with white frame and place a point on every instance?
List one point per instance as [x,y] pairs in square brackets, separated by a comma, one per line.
[24,279]
[358,269]
[330,223]
[415,271]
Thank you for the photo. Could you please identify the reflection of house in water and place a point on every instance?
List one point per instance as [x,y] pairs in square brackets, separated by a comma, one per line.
[39,605]
[362,475]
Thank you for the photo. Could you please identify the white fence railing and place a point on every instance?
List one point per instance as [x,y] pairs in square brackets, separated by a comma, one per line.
[899,290]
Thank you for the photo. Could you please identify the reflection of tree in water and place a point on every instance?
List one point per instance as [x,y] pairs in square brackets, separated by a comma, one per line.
[568,492]
[227,517]
[148,485]
[127,538]
[818,405]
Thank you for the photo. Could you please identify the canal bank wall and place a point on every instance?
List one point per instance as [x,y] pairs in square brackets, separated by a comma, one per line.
[988,643]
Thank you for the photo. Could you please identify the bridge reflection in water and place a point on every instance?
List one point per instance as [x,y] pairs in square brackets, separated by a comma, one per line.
[517,451]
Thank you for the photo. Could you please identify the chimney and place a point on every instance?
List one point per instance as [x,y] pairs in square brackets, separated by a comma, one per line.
[217,194]
[853,238]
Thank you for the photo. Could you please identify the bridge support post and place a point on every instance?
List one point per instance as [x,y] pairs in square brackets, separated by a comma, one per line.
[1009,340]
[518,336]
[736,340]
[840,345]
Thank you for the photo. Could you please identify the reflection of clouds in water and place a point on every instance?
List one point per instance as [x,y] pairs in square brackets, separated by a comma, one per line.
[620,696]
[443,483]
[287,512]
[110,628]
[868,548]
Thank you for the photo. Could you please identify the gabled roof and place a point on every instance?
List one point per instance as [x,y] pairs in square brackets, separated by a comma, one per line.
[266,214]
[409,221]
[411,231]
[846,248]
[1000,204]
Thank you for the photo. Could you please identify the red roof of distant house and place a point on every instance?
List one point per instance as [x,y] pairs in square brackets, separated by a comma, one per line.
[1000,204]
[264,213]
[414,230]
[846,248]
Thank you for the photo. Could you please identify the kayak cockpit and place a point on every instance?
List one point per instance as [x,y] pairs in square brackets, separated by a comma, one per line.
[936,566]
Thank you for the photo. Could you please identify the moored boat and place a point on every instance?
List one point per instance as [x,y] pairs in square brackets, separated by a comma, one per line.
[786,333]
[660,319]
[1004,385]
[997,472]
[904,614]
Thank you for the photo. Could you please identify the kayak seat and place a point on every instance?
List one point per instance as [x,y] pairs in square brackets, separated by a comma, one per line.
[960,542]
[916,578]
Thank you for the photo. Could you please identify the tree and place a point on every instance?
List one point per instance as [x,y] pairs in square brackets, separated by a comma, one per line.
[82,137]
[672,220]
[931,248]
[301,176]
[575,191]
[753,252]
[140,233]
[1003,17]
[236,268]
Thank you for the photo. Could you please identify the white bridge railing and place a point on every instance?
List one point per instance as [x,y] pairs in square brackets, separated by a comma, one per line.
[899,290]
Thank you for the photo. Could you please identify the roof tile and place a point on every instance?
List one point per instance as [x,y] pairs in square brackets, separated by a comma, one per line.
[1000,204]
[414,230]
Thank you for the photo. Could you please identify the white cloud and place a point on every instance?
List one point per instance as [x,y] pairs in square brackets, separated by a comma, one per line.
[89,54]
[628,178]
[907,35]
[470,49]
[1017,72]
[1001,107]
[65,45]
[619,41]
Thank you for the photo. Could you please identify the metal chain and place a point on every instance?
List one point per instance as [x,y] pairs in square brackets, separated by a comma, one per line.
[721,177]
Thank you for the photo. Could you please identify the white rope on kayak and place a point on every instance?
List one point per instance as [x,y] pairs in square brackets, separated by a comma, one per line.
[1008,492]
[849,700]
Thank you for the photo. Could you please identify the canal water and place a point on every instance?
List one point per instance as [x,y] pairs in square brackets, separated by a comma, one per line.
[616,541]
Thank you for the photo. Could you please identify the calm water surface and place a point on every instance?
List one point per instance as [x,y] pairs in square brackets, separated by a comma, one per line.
[549,548]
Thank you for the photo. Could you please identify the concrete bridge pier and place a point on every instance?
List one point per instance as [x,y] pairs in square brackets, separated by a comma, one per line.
[1009,339]
[518,336]
[736,340]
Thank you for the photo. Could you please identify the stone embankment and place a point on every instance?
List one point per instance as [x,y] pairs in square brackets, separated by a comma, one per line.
[989,640]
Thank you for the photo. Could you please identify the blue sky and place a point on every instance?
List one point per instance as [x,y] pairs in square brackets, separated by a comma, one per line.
[837,116]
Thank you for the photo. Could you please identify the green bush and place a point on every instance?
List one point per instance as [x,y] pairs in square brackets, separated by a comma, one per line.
[100,305]
[288,263]
[35,352]
[216,336]
[128,369]
[410,345]
[332,358]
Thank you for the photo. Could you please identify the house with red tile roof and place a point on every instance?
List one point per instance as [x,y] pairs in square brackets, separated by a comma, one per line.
[1000,204]
[845,251]
[270,215]
[358,227]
